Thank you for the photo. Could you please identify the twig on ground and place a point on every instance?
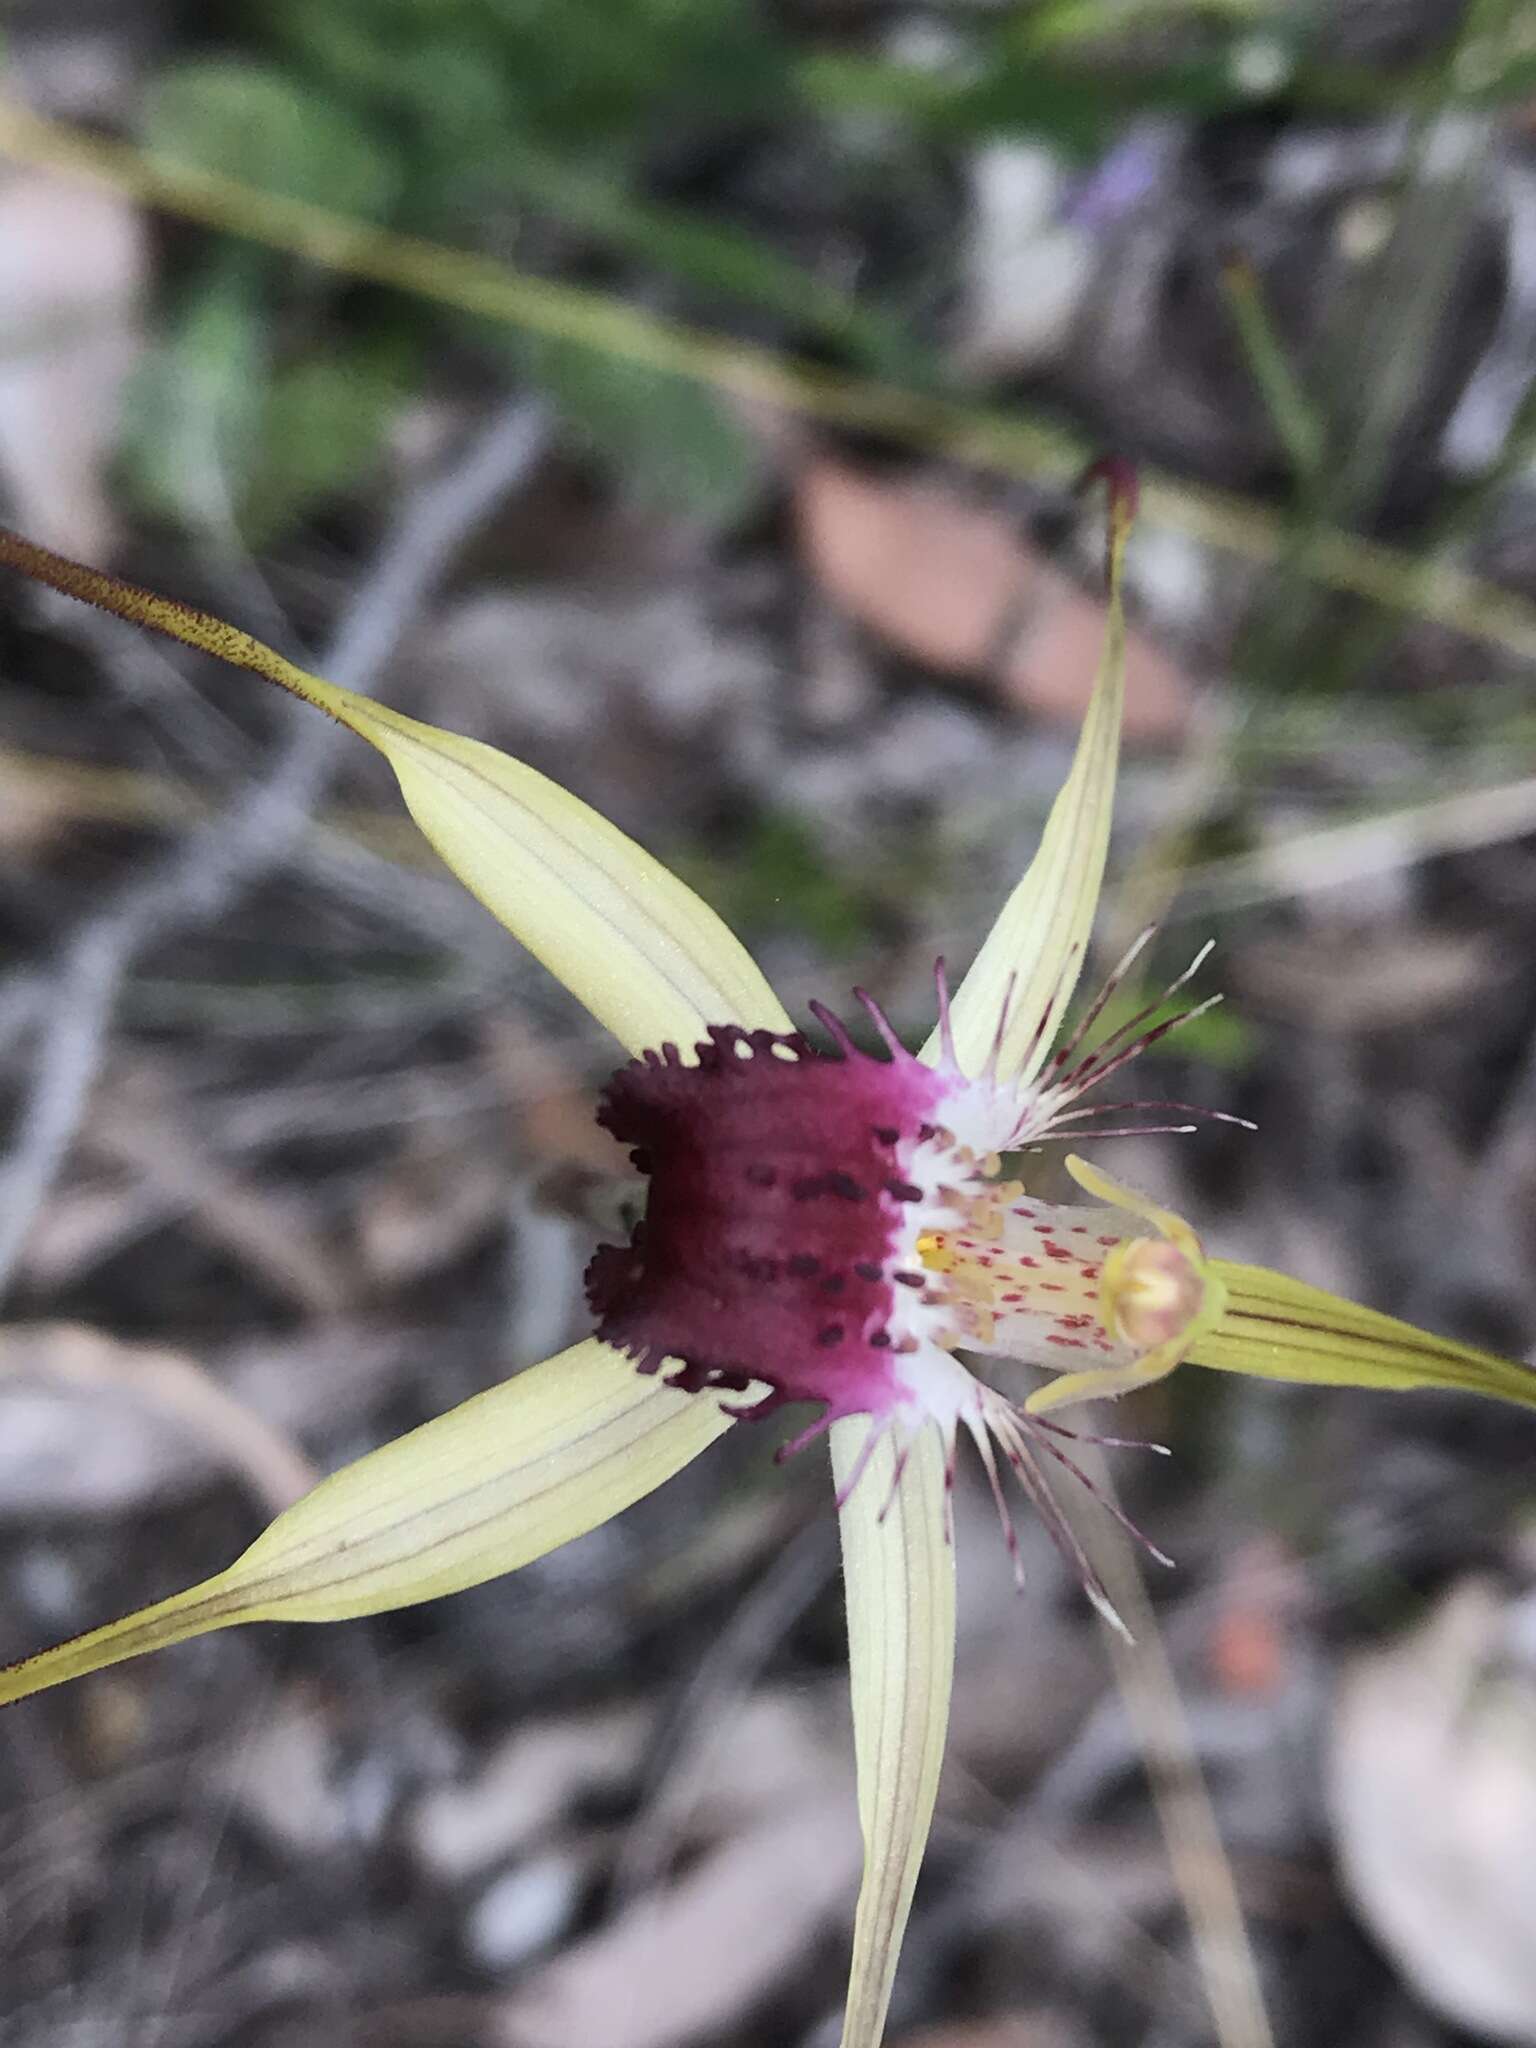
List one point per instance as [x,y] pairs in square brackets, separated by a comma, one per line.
[1201,1868]
[1333,856]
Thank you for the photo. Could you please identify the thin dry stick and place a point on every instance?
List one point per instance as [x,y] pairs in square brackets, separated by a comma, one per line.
[1010,442]
[1201,1869]
[1164,884]
[202,875]
[1328,856]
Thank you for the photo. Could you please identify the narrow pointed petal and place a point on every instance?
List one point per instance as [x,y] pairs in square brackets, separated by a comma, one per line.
[498,1481]
[1277,1328]
[899,1573]
[1033,955]
[629,940]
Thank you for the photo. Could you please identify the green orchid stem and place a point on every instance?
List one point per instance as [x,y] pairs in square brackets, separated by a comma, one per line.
[1277,1328]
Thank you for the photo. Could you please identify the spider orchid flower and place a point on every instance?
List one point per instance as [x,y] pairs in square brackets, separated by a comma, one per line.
[823,1225]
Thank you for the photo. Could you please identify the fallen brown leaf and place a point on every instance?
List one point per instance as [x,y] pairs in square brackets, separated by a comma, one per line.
[558,1112]
[1249,1648]
[956,586]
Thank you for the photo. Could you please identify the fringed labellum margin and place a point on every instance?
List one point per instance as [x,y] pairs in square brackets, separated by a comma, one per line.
[834,1227]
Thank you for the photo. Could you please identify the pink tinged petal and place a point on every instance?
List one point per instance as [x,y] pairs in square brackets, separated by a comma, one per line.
[899,1575]
[497,1482]
[1011,1003]
[636,946]
[1276,1328]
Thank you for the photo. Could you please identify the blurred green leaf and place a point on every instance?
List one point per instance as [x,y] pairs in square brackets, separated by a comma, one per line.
[673,442]
[322,427]
[723,259]
[576,73]
[1219,1037]
[1075,103]
[219,432]
[1222,1038]
[778,877]
[252,122]
[195,409]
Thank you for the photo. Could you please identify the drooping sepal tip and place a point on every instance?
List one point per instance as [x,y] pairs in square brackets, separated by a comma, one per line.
[1008,1006]
[1123,485]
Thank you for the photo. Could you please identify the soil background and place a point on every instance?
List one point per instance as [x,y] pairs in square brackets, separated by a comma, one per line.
[299,1146]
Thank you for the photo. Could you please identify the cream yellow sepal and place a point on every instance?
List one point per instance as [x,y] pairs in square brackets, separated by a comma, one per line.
[899,1577]
[1031,959]
[636,946]
[1276,1328]
[498,1481]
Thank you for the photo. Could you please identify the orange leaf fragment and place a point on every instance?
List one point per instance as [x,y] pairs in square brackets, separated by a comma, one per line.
[958,587]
